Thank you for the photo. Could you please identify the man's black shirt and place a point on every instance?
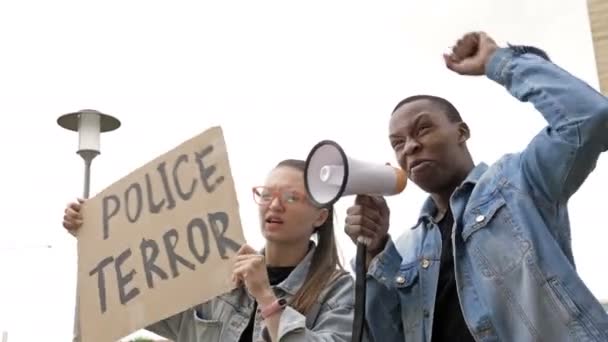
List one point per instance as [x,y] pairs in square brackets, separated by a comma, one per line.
[448,322]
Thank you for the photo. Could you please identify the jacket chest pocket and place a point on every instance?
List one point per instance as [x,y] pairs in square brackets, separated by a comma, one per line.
[494,239]
[206,329]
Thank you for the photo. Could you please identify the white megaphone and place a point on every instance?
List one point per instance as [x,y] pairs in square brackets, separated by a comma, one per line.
[331,174]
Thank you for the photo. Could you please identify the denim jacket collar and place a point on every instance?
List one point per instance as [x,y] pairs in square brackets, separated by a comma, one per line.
[296,278]
[428,208]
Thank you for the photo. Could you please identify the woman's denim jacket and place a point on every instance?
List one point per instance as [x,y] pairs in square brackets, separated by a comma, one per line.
[225,317]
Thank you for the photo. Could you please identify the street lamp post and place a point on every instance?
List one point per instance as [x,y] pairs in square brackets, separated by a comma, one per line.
[89,124]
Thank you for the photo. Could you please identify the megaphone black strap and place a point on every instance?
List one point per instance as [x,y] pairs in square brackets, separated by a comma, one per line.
[360,284]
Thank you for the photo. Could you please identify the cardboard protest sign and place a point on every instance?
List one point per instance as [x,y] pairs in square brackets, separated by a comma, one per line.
[158,241]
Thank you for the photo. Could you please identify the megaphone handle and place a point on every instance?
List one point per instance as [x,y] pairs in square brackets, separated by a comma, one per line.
[361,274]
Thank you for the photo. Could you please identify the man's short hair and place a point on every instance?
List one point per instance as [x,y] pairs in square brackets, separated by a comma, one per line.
[444,105]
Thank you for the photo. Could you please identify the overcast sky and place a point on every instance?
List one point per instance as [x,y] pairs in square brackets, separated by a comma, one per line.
[278,76]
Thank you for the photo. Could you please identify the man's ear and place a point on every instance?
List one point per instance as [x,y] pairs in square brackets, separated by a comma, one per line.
[321,217]
[463,132]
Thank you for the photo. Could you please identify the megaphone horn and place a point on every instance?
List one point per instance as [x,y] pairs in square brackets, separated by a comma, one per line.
[331,174]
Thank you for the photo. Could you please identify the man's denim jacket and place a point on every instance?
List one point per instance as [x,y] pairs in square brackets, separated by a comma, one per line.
[224,318]
[514,268]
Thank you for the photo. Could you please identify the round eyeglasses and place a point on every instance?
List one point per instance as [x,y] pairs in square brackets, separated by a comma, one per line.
[263,195]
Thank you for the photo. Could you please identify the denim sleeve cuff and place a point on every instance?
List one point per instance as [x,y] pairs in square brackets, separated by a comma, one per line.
[291,320]
[496,67]
[385,265]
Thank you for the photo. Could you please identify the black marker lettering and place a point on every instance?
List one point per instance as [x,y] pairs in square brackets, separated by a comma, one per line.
[184,196]
[172,255]
[207,171]
[153,207]
[163,176]
[107,214]
[133,188]
[150,267]
[198,224]
[101,281]
[222,242]
[123,281]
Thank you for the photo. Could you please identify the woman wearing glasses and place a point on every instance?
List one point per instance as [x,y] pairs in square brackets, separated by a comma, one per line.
[295,290]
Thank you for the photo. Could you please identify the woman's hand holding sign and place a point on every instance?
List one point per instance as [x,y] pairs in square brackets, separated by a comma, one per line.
[250,270]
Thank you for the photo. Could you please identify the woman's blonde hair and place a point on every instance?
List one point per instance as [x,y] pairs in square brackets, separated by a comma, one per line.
[325,266]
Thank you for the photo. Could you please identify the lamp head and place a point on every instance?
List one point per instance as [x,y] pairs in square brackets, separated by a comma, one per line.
[89,124]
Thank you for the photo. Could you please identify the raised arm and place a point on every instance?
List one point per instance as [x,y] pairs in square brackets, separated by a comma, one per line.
[559,159]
